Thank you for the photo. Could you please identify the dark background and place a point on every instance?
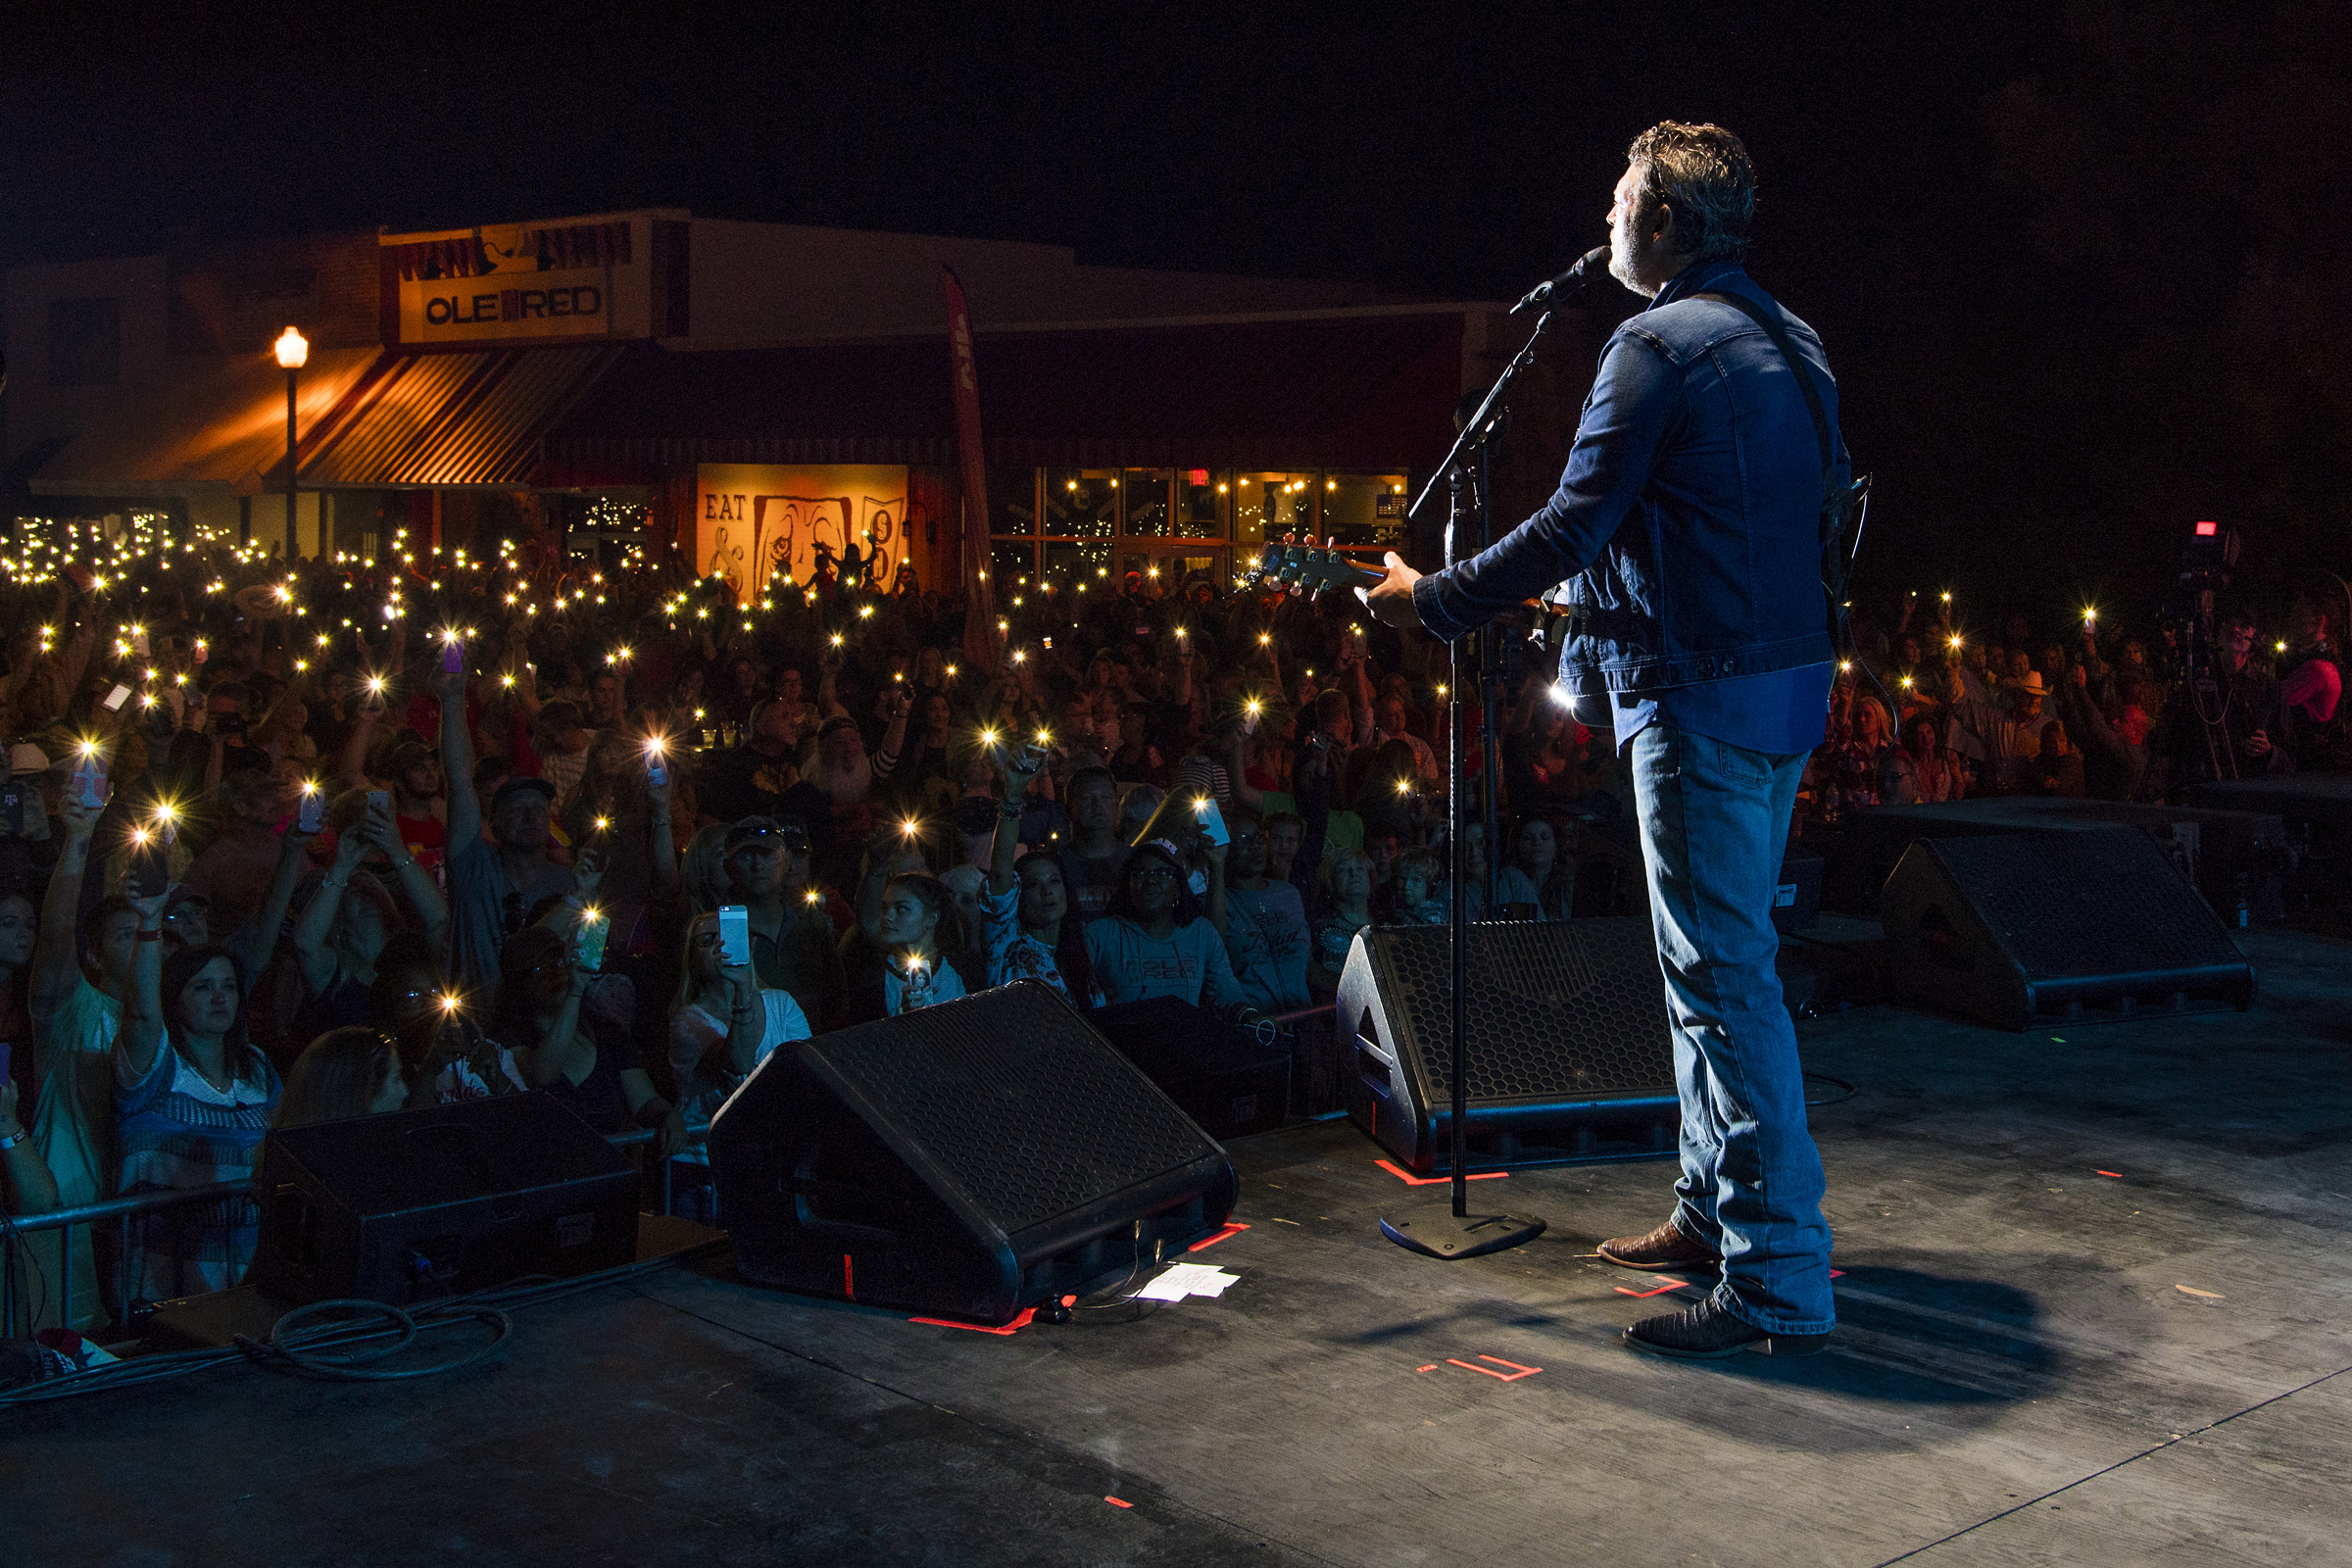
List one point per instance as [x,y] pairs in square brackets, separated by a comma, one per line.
[2080,268]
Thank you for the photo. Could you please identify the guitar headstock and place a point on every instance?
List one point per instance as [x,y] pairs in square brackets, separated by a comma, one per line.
[1305,568]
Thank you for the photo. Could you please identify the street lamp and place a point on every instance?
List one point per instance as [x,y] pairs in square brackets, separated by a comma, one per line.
[293,349]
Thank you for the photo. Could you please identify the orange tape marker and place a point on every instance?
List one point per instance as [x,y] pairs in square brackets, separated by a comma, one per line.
[1671,1284]
[1514,1375]
[1232,1229]
[1021,1322]
[1411,1180]
[1116,1502]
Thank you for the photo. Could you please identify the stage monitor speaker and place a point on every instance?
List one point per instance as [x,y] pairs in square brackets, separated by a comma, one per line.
[2023,931]
[441,1201]
[1226,1081]
[967,1160]
[1568,1035]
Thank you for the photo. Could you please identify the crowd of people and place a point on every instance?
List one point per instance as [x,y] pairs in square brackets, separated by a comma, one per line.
[293,845]
[1923,714]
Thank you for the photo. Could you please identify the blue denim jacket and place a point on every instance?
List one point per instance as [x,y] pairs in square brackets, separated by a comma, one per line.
[1686,530]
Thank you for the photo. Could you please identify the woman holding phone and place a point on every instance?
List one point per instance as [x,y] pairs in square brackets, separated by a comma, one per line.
[1032,933]
[350,916]
[722,1022]
[193,1100]
[597,1072]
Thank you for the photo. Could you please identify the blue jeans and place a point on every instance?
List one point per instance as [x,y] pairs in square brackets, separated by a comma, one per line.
[1714,824]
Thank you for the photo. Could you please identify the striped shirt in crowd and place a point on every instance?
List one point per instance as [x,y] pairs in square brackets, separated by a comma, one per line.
[175,1129]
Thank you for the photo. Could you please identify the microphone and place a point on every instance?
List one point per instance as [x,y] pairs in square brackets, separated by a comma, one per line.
[1589,269]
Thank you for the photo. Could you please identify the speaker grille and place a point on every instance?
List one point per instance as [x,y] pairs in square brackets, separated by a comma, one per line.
[2084,903]
[1020,1103]
[1556,1011]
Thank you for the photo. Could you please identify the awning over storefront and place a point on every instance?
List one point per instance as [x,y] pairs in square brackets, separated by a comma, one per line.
[1354,390]
[219,427]
[452,420]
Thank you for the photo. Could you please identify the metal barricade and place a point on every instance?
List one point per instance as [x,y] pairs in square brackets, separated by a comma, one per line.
[121,1212]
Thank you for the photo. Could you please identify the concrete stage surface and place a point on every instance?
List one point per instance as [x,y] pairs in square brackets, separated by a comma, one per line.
[2037,1361]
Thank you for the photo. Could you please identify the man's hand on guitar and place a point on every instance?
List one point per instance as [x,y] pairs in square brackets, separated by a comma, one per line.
[1392,599]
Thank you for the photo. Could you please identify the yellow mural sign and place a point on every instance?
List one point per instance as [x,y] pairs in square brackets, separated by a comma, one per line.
[755,522]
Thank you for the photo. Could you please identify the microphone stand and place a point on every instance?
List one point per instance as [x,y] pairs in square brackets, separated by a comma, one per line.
[1449,1230]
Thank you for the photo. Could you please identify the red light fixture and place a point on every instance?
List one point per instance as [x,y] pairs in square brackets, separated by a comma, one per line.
[2206,530]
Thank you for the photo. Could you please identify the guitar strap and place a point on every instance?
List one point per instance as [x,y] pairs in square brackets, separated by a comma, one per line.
[1835,503]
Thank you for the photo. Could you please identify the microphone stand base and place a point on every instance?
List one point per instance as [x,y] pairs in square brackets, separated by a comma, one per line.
[1435,1230]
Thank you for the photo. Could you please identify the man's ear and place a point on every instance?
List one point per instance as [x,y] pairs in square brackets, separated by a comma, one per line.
[1667,231]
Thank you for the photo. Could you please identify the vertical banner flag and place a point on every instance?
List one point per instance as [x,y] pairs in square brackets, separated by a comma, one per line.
[979,592]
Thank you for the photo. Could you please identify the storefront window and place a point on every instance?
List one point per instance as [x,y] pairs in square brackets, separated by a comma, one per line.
[1013,563]
[1069,564]
[1203,500]
[1267,505]
[1092,526]
[1081,503]
[1144,500]
[1364,511]
[1012,501]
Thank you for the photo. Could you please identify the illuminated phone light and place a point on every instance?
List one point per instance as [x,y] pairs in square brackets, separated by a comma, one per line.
[812,897]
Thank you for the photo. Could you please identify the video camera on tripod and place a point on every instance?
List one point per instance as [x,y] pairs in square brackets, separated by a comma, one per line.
[2206,558]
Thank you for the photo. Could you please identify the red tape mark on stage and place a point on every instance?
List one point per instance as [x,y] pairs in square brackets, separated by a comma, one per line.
[1411,1180]
[1116,1502]
[1432,1367]
[1232,1229]
[1837,1273]
[1671,1284]
[2116,1174]
[1512,1376]
[1021,1322]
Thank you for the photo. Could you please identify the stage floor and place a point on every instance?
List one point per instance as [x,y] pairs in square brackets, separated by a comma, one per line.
[2092,1311]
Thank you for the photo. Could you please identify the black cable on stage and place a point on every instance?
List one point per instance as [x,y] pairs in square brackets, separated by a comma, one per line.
[1835,1099]
[296,1351]
[303,1349]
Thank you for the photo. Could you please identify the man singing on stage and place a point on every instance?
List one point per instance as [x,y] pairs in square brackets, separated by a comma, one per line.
[1689,519]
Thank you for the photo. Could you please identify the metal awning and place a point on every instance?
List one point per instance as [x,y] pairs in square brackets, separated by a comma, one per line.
[215,426]
[450,420]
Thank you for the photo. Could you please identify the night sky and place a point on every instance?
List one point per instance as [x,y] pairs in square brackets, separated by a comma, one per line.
[2080,269]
